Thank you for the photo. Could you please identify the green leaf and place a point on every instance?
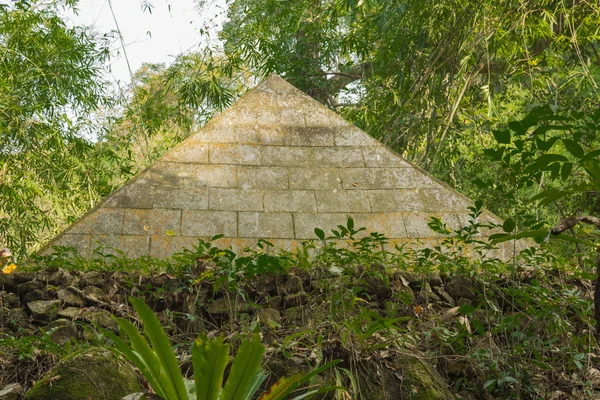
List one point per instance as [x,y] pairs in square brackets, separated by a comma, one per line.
[502,137]
[593,168]
[500,237]
[350,224]
[548,196]
[258,380]
[565,171]
[145,355]
[161,346]
[543,161]
[466,309]
[573,147]
[135,359]
[509,225]
[279,389]
[320,234]
[309,376]
[243,369]
[209,359]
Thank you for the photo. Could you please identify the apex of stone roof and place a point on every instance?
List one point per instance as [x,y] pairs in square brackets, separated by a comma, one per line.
[274,166]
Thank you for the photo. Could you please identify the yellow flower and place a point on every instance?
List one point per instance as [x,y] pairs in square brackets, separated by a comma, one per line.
[9,268]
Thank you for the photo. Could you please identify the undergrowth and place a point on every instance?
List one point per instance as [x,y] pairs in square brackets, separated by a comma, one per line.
[526,333]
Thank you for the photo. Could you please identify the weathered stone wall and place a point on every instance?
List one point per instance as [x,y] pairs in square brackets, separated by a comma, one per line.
[275,165]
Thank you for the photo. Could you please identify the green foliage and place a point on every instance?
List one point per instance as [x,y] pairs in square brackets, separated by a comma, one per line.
[550,160]
[50,82]
[210,357]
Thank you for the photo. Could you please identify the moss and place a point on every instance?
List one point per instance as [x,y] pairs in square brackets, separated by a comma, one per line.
[425,381]
[92,374]
[403,377]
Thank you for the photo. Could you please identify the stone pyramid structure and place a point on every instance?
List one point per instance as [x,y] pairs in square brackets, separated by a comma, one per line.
[275,165]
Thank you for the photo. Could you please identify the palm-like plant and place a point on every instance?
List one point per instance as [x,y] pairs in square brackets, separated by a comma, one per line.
[158,363]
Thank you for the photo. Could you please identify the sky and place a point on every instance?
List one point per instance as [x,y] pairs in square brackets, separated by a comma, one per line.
[172,28]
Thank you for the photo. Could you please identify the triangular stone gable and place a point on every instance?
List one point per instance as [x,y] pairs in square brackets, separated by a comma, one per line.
[275,165]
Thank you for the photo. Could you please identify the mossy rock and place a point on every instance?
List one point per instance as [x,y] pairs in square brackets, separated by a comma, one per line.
[404,376]
[94,374]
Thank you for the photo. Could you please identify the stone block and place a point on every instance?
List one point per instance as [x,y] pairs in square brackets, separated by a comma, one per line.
[131,195]
[81,243]
[164,173]
[291,116]
[391,224]
[315,178]
[287,156]
[263,177]
[260,134]
[140,196]
[380,156]
[442,199]
[151,222]
[101,221]
[208,223]
[416,225]
[237,245]
[216,131]
[234,154]
[338,157]
[290,245]
[407,178]
[346,200]
[235,199]
[135,246]
[220,176]
[266,225]
[164,246]
[257,99]
[290,201]
[352,136]
[240,116]
[307,136]
[190,151]
[104,244]
[317,115]
[396,200]
[184,198]
[305,223]
[366,178]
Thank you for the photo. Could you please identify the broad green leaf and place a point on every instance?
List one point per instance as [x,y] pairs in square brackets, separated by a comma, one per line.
[573,147]
[593,168]
[466,309]
[279,389]
[143,350]
[258,380]
[543,161]
[310,375]
[509,225]
[565,171]
[162,347]
[209,358]
[135,359]
[502,137]
[243,369]
[320,234]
